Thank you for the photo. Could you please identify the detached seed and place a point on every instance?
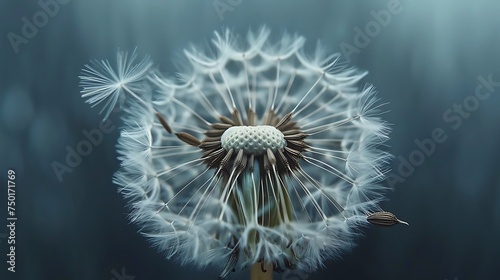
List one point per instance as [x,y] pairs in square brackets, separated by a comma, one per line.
[384,218]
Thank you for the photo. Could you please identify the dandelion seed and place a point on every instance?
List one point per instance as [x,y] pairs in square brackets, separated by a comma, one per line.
[257,154]
[102,83]
[384,218]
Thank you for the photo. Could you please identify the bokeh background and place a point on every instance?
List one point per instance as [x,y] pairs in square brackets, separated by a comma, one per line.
[427,58]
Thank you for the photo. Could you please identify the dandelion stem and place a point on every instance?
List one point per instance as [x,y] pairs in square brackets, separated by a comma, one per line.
[261,272]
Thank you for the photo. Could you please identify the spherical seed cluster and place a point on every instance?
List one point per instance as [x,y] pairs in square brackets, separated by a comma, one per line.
[253,139]
[206,194]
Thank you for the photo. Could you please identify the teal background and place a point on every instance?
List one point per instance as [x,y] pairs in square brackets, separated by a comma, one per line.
[427,58]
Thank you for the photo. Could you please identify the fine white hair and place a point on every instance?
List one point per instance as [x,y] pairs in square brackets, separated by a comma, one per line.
[317,194]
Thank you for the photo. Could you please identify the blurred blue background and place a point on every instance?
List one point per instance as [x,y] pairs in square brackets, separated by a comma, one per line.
[424,60]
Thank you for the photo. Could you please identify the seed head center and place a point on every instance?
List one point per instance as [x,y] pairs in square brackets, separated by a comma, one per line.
[253,139]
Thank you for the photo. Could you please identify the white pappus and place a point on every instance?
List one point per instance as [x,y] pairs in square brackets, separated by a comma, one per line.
[256,152]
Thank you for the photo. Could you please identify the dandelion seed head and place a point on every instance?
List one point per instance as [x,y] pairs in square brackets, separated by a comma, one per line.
[258,151]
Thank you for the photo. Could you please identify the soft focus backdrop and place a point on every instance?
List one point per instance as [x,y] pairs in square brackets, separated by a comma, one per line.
[437,63]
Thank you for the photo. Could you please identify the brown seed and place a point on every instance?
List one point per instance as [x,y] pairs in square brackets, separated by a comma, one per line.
[284,121]
[220,126]
[226,120]
[164,122]
[384,218]
[231,263]
[188,139]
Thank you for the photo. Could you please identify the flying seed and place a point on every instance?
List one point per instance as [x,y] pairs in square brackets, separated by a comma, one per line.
[384,218]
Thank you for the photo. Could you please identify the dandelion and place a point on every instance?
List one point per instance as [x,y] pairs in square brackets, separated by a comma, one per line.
[256,154]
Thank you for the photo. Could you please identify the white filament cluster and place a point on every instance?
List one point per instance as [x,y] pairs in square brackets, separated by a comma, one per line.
[188,208]
[253,139]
